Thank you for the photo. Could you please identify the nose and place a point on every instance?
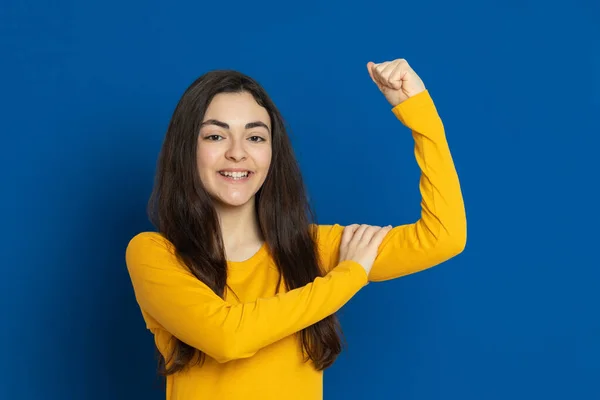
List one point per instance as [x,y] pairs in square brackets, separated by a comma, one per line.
[236,151]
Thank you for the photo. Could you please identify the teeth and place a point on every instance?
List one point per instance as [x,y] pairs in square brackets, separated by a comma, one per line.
[235,175]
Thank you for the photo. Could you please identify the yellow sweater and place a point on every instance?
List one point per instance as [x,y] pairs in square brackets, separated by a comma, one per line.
[250,346]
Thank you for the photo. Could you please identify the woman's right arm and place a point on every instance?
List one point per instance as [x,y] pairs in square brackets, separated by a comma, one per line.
[192,312]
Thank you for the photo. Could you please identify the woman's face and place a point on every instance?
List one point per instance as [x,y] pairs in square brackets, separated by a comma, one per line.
[234,148]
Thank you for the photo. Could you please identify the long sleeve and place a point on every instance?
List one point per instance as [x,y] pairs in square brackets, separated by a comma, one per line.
[441,231]
[192,312]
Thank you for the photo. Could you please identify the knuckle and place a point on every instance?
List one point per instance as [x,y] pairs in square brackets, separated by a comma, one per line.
[348,230]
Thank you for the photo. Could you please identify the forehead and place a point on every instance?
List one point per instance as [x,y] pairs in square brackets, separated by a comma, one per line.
[236,108]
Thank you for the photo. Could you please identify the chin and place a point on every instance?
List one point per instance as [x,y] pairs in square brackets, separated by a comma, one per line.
[235,203]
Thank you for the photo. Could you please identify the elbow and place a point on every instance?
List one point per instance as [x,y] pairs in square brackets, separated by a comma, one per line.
[449,248]
[222,357]
[229,348]
[456,242]
[224,349]
[459,245]
[452,241]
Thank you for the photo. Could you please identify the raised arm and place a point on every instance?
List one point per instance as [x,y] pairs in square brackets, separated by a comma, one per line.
[192,312]
[441,231]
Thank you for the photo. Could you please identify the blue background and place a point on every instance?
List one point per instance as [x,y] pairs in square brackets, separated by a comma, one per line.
[87,92]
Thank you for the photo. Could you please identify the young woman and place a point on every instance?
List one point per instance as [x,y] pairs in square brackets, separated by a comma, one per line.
[239,286]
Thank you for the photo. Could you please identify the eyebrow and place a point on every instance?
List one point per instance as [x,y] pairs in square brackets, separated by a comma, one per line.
[249,125]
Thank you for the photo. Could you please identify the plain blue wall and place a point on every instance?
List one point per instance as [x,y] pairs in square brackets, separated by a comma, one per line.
[87,93]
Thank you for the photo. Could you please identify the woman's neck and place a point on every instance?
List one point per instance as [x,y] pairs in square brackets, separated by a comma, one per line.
[239,226]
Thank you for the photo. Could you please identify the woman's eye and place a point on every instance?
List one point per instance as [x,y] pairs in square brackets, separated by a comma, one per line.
[256,139]
[213,137]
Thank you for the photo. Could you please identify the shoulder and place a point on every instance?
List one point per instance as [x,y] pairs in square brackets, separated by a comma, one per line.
[148,240]
[149,248]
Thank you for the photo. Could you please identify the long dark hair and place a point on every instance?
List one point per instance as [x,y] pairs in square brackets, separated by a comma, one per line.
[182,211]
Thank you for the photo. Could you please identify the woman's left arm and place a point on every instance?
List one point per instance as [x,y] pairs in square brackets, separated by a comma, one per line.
[441,232]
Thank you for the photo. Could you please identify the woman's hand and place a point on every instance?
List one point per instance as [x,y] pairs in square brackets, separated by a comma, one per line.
[396,80]
[360,243]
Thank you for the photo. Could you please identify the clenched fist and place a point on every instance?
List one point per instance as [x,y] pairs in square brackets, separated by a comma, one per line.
[396,80]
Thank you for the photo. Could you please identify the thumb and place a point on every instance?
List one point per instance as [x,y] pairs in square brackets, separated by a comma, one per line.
[370,66]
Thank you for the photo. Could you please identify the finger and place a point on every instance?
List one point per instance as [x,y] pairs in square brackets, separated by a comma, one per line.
[378,72]
[381,66]
[387,70]
[348,234]
[369,233]
[377,239]
[358,235]
[370,66]
[371,69]
[397,75]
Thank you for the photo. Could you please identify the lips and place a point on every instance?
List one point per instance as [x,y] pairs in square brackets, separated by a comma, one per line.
[235,176]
